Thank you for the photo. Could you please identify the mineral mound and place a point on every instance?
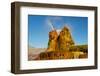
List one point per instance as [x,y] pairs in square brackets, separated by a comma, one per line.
[61,41]
[65,39]
[62,46]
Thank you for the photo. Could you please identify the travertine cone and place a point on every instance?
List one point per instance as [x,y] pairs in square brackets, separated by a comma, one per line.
[65,39]
[53,43]
[61,41]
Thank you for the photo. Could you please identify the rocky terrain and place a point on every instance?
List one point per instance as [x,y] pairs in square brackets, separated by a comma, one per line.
[60,46]
[33,53]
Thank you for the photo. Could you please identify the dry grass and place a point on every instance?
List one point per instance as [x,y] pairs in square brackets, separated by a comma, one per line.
[33,53]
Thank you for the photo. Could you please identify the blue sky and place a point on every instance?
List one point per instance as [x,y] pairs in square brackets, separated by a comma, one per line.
[38,29]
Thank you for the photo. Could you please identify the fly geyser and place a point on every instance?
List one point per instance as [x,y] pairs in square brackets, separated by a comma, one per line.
[53,43]
[62,46]
[65,39]
[60,41]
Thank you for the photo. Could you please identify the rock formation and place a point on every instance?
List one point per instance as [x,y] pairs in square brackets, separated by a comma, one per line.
[61,41]
[53,43]
[65,39]
[62,46]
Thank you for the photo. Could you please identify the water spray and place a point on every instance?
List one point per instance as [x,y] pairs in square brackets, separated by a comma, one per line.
[51,24]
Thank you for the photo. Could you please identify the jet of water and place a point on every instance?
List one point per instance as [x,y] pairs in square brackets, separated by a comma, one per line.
[50,24]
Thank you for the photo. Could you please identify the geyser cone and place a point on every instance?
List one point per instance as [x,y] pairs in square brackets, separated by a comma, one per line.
[52,44]
[65,39]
